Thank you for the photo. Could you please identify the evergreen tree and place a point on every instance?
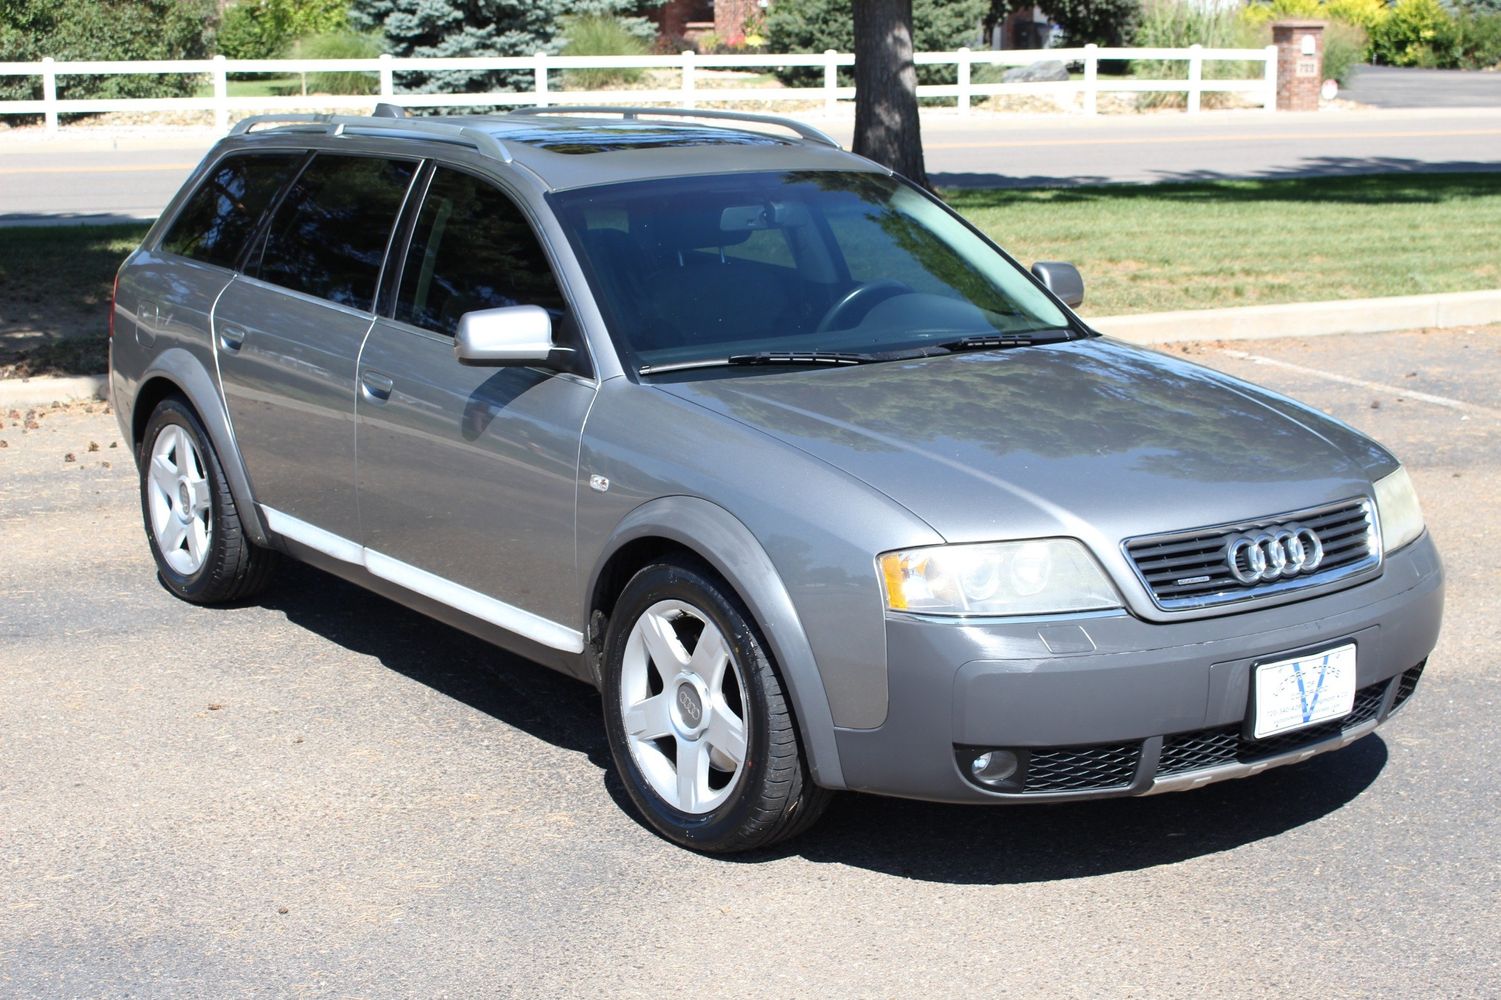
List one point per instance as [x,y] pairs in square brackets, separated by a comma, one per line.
[475,28]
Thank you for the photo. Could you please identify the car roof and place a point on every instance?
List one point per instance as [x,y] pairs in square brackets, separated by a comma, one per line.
[581,147]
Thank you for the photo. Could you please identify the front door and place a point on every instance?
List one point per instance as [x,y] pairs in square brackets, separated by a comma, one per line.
[467,475]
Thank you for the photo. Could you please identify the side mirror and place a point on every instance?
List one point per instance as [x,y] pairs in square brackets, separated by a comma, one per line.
[511,335]
[1062,280]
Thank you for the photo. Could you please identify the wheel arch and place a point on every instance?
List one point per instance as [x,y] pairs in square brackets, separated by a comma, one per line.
[176,372]
[712,534]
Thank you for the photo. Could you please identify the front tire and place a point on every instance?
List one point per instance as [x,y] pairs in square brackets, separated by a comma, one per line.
[202,553]
[697,718]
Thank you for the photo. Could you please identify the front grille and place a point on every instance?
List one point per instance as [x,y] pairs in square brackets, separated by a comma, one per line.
[1205,748]
[1407,684]
[1189,569]
[1072,769]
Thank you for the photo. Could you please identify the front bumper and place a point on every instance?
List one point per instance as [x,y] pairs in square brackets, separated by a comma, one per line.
[1111,705]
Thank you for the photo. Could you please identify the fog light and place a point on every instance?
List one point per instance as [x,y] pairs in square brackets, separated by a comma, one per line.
[994,766]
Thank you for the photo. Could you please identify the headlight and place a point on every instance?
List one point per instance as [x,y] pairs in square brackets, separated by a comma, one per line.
[1045,576]
[1397,506]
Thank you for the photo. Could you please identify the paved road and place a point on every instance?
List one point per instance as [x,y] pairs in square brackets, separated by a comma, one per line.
[1394,87]
[323,794]
[127,175]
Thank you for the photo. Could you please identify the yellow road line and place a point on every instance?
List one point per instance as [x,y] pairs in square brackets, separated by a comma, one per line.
[1248,137]
[135,168]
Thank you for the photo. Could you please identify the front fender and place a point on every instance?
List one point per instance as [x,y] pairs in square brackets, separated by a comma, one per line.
[719,538]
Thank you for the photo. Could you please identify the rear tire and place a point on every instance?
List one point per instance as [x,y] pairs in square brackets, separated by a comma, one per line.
[698,721]
[202,553]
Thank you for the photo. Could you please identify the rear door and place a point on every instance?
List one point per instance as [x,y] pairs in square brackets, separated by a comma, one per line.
[467,475]
[288,333]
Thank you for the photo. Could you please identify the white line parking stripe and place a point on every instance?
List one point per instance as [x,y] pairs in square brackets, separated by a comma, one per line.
[1422,397]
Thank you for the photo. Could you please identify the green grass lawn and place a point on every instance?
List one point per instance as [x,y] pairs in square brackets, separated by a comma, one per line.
[1150,248]
[1141,248]
[256,86]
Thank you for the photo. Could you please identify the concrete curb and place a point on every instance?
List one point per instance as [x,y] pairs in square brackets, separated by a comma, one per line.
[45,389]
[1298,319]
[1307,319]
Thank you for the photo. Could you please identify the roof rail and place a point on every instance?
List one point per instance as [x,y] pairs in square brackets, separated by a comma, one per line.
[424,127]
[805,131]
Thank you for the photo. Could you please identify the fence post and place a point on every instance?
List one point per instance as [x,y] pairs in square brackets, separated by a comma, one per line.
[221,93]
[964,80]
[540,78]
[1195,76]
[1091,79]
[387,78]
[688,80]
[830,81]
[1269,102]
[49,94]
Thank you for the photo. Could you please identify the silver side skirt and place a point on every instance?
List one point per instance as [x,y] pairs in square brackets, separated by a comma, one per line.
[420,581]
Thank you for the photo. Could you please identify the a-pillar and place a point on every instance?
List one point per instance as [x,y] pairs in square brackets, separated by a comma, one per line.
[1300,64]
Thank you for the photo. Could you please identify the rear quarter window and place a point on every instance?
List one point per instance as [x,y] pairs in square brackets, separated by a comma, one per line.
[223,211]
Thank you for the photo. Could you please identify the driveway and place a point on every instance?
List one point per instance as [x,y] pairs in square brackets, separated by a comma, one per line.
[1398,87]
[324,794]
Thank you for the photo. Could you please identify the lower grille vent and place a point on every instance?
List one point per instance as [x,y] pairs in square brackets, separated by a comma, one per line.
[1205,748]
[1071,769]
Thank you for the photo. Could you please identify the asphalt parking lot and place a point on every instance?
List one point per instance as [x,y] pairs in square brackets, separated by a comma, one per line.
[321,793]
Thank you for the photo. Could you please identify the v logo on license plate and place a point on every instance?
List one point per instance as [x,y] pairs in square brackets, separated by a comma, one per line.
[1308,705]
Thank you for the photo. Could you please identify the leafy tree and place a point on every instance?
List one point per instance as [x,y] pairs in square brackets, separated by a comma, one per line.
[477,28]
[104,29]
[263,29]
[1104,22]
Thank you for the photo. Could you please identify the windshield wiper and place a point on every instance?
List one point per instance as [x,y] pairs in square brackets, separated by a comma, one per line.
[1001,341]
[801,358]
[763,358]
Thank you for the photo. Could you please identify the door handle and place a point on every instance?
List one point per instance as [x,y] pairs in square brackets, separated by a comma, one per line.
[231,338]
[377,386]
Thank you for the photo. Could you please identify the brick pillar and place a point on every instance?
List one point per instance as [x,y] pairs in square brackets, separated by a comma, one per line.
[1300,64]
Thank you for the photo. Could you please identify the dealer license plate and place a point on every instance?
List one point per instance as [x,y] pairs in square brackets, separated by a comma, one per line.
[1291,694]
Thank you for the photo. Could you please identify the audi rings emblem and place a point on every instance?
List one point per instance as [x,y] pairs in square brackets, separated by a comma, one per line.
[1279,552]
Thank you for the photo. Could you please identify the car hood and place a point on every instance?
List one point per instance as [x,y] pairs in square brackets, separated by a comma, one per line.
[1090,438]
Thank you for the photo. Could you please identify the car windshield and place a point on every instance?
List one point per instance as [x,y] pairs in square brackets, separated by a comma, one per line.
[829,264]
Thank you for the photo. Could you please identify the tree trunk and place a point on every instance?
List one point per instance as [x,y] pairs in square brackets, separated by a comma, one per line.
[886,125]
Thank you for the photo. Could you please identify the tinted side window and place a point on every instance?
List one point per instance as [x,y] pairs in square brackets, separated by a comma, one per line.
[219,217]
[472,249]
[329,234]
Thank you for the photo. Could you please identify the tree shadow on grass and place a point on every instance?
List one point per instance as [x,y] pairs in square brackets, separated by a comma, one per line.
[920,840]
[1349,180]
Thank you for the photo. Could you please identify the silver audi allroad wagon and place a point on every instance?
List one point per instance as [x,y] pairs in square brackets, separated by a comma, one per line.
[819,487]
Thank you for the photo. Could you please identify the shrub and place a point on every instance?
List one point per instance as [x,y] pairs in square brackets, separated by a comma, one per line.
[1406,37]
[1345,47]
[265,29]
[816,25]
[1364,14]
[1178,24]
[598,35]
[104,29]
[340,45]
[1471,39]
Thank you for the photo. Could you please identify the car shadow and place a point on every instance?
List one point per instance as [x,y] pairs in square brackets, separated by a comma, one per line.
[918,840]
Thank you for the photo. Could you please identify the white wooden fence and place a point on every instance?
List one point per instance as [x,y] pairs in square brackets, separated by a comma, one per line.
[687,94]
